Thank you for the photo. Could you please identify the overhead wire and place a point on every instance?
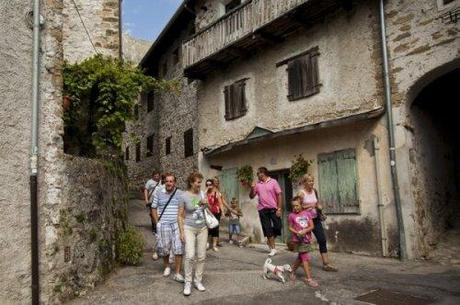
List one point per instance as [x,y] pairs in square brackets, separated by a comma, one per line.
[84,26]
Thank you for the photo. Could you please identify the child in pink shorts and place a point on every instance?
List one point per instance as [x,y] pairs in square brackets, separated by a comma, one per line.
[301,225]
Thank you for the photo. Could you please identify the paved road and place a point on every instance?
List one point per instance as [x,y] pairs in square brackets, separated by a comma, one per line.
[233,276]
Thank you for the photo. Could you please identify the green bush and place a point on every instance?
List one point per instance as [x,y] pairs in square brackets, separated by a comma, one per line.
[299,168]
[130,246]
[245,174]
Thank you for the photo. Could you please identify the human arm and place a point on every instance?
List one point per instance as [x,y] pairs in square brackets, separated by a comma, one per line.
[308,229]
[279,200]
[146,195]
[253,191]
[154,209]
[180,221]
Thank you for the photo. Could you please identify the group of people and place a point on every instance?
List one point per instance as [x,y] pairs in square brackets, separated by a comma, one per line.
[178,222]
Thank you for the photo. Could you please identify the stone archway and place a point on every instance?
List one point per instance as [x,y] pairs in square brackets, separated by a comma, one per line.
[435,162]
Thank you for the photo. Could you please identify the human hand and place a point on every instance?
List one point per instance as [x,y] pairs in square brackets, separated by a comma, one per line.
[182,238]
[253,184]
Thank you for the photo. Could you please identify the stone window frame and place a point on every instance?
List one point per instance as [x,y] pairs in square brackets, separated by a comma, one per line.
[150,143]
[445,6]
[127,153]
[188,143]
[168,145]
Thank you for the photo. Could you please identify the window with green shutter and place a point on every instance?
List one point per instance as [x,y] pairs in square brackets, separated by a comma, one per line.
[338,182]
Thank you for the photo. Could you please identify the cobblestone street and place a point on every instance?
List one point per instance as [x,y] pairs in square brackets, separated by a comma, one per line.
[233,276]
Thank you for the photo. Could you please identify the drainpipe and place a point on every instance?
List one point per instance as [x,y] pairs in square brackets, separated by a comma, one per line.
[380,205]
[391,136]
[120,30]
[35,284]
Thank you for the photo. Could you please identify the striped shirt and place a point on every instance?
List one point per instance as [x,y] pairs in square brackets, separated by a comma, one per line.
[160,199]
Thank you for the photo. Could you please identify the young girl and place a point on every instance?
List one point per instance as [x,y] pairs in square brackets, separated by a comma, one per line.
[301,225]
[234,220]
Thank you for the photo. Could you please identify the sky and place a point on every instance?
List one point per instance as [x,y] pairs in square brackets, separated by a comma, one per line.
[145,19]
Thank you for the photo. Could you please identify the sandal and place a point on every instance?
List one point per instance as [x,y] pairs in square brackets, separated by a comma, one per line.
[329,267]
[311,283]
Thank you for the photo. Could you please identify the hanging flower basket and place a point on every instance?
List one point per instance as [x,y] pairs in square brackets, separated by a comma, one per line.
[245,175]
[299,168]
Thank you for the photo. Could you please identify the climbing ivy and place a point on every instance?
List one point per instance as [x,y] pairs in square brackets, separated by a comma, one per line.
[102,92]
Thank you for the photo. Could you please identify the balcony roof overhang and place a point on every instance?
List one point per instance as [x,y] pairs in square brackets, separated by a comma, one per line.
[261,135]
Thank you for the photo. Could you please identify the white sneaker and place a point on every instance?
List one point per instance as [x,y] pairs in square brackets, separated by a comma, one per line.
[187,289]
[167,271]
[199,286]
[154,256]
[230,242]
[272,252]
[215,249]
[178,278]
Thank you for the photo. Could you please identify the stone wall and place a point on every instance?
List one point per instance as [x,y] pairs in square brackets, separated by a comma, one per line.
[101,20]
[172,115]
[93,211]
[134,49]
[422,47]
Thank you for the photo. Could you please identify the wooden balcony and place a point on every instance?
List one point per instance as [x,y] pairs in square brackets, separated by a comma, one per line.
[242,31]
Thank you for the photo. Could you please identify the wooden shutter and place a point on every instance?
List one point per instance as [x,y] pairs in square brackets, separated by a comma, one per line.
[347,183]
[327,178]
[294,79]
[338,182]
[229,183]
[303,75]
[228,102]
[235,100]
[240,87]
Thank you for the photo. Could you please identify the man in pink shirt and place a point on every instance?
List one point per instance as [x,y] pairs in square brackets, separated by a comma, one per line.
[269,193]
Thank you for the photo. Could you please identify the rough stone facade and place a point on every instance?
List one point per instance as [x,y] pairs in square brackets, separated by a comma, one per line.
[172,115]
[134,49]
[81,250]
[55,197]
[101,19]
[422,46]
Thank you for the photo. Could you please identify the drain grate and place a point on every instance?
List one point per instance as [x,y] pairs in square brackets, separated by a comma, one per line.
[386,297]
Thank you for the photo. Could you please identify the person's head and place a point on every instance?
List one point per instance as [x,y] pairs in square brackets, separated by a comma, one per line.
[262,173]
[163,178]
[156,175]
[234,203]
[307,181]
[170,182]
[216,181]
[209,184]
[194,182]
[296,204]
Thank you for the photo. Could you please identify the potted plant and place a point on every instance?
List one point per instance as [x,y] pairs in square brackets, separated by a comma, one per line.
[299,168]
[245,175]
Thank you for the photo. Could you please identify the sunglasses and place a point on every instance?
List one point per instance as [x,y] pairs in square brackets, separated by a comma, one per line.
[208,184]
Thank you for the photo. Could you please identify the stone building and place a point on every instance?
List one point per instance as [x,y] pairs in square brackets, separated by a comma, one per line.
[164,137]
[276,79]
[81,202]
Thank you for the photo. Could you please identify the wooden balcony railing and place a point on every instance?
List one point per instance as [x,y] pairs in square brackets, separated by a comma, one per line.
[246,19]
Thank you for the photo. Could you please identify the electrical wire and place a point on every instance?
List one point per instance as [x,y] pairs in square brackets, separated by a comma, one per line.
[84,26]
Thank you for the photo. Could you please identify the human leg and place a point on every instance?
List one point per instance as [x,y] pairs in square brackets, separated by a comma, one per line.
[190,243]
[201,239]
[320,236]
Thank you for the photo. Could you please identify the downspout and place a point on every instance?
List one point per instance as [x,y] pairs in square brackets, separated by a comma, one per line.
[35,284]
[380,205]
[120,30]
[391,136]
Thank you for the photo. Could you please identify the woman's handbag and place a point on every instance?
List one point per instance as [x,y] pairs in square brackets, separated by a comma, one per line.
[211,220]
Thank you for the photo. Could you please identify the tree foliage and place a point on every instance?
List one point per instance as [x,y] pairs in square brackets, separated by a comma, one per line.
[103,91]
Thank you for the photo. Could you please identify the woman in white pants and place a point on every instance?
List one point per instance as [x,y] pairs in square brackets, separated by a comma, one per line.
[193,231]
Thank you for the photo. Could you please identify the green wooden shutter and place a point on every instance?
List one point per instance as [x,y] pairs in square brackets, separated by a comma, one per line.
[229,184]
[347,181]
[328,188]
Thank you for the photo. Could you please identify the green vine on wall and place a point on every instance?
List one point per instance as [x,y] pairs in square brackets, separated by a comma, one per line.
[102,92]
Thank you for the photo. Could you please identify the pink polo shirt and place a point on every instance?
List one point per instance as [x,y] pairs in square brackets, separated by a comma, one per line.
[268,193]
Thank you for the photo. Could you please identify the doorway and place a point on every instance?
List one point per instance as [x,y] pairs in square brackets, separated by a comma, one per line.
[282,176]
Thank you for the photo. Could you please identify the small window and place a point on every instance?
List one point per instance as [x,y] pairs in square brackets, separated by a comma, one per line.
[138,152]
[235,100]
[164,68]
[338,182]
[303,75]
[168,146]
[188,143]
[232,5]
[136,112]
[150,100]
[149,146]
[127,153]
[175,56]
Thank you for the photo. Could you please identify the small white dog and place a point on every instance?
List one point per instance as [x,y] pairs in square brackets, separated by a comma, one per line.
[278,271]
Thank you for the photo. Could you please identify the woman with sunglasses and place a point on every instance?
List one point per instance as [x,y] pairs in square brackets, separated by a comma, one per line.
[215,205]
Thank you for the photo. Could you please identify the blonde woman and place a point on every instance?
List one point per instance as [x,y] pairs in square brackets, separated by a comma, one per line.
[193,232]
[310,203]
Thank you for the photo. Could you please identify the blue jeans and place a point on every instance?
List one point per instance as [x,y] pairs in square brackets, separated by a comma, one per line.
[234,228]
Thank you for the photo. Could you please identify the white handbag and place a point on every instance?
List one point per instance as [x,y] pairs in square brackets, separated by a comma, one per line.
[211,220]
